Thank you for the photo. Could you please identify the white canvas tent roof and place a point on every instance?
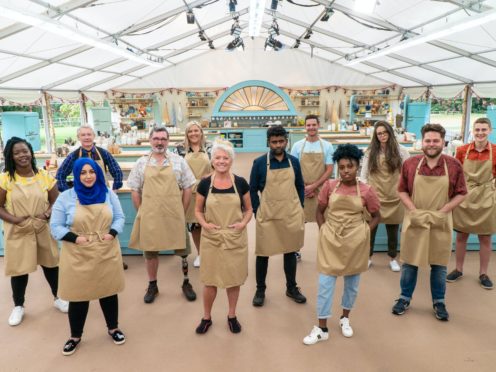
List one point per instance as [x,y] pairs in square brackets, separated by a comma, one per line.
[32,59]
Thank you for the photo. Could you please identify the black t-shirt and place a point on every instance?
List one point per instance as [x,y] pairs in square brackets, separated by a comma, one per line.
[241,185]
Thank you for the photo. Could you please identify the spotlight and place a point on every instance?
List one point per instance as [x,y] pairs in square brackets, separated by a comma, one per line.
[328,14]
[273,5]
[308,35]
[274,28]
[201,35]
[273,43]
[236,29]
[211,44]
[237,42]
[232,5]
[190,17]
[297,44]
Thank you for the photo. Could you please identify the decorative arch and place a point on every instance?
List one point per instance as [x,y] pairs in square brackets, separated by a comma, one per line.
[253,98]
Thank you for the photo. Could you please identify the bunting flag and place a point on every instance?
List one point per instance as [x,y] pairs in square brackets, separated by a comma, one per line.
[165,115]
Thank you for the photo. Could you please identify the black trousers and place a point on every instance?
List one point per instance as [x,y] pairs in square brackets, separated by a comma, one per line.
[79,310]
[262,263]
[392,236]
[19,284]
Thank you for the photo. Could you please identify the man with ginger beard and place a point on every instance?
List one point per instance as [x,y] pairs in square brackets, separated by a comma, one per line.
[431,186]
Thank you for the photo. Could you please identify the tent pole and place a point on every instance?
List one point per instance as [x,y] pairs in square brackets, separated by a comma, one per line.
[49,129]
[82,109]
[466,108]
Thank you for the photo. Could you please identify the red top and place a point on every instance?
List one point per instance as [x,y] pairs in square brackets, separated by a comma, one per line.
[455,172]
[473,154]
[369,197]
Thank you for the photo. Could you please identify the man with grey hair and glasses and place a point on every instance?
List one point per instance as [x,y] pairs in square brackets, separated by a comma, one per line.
[161,192]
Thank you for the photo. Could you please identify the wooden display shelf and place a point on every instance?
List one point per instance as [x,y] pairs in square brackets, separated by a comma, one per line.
[309,105]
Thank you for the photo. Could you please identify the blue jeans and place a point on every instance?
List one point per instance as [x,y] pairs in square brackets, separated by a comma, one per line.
[409,280]
[327,284]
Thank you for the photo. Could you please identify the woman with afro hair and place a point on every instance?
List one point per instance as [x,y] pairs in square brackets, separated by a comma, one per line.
[344,238]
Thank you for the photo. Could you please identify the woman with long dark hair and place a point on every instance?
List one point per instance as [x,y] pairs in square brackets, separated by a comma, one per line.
[26,198]
[381,169]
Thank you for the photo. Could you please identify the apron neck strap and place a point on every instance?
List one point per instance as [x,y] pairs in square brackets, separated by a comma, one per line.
[232,180]
[357,186]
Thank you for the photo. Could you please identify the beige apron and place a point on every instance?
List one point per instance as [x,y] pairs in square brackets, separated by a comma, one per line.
[312,168]
[94,270]
[280,217]
[477,213]
[99,162]
[30,243]
[224,252]
[386,185]
[427,233]
[200,165]
[160,222]
[344,238]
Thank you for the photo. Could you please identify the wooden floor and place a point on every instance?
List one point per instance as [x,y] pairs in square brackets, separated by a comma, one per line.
[161,337]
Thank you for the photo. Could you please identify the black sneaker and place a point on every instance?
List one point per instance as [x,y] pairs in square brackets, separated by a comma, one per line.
[400,306]
[188,291]
[296,295]
[118,337]
[204,326]
[259,298]
[454,276]
[234,325]
[485,282]
[440,311]
[151,293]
[70,346]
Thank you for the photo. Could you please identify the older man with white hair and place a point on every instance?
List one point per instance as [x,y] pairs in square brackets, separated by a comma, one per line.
[86,136]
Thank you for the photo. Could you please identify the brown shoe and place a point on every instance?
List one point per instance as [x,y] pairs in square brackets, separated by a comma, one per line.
[150,294]
[188,291]
[124,265]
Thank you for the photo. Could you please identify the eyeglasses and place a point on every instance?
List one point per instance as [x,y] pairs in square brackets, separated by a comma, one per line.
[156,139]
[380,134]
[483,130]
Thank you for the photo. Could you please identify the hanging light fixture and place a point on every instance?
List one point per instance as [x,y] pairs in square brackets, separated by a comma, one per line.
[190,17]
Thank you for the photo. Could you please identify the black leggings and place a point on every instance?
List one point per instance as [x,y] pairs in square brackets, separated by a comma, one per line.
[19,284]
[392,237]
[262,264]
[79,310]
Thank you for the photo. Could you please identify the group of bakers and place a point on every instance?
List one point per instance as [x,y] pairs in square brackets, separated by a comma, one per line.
[194,189]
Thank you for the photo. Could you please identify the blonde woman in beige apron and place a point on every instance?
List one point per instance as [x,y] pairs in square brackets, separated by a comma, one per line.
[26,198]
[381,168]
[223,209]
[316,164]
[280,219]
[431,185]
[196,152]
[477,213]
[344,239]
[87,219]
[161,192]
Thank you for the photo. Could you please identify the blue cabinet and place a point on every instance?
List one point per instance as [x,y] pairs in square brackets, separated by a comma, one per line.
[417,114]
[100,119]
[22,124]
[491,115]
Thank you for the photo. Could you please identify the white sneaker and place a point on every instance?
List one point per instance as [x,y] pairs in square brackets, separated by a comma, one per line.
[394,265]
[16,316]
[370,264]
[346,329]
[315,336]
[62,305]
[196,263]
